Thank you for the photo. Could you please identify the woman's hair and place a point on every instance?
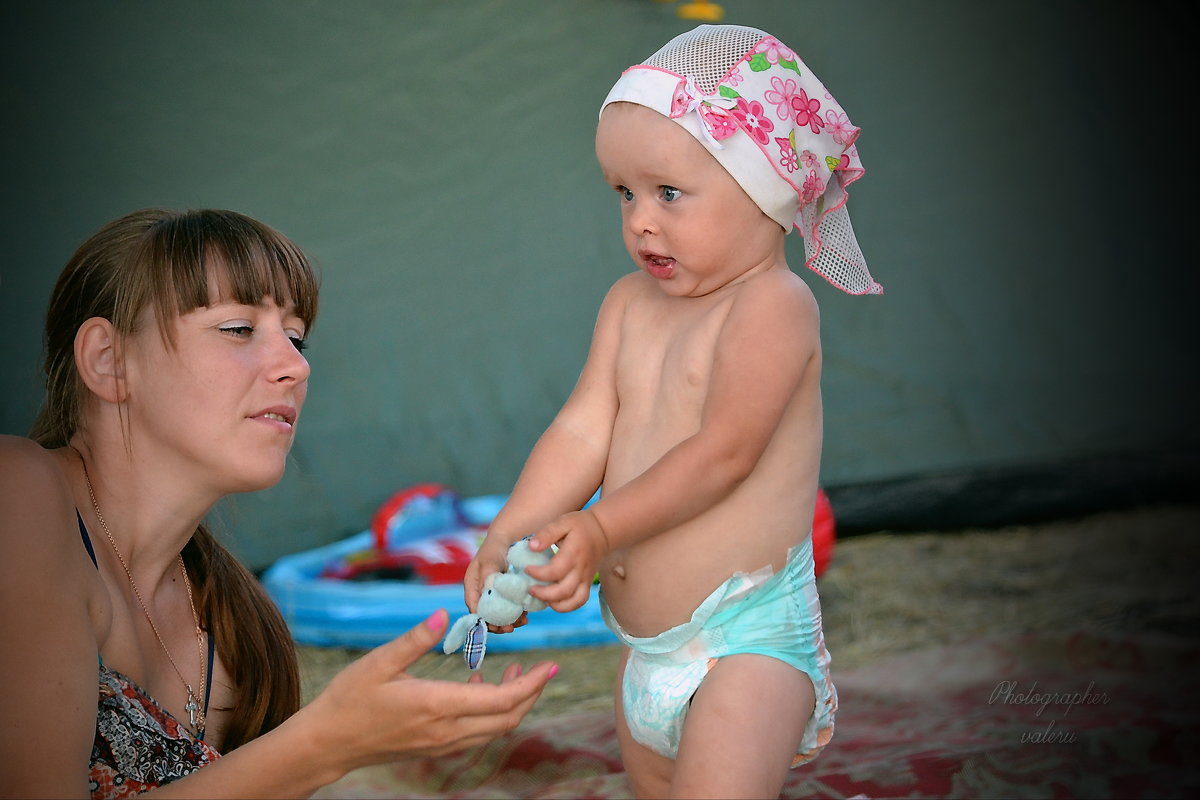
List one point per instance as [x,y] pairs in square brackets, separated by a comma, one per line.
[163,260]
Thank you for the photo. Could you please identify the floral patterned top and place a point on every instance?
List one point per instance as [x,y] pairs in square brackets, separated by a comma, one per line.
[139,745]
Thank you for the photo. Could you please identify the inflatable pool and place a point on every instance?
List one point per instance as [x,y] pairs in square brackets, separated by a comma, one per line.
[369,588]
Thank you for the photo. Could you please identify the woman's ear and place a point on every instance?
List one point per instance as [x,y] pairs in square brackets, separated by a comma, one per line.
[98,361]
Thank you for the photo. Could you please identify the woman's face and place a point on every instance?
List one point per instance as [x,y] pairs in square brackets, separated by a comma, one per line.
[221,406]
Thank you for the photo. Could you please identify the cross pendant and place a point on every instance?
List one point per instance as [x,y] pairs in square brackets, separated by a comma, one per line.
[191,707]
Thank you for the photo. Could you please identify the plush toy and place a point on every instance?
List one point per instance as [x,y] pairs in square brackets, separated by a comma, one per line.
[505,597]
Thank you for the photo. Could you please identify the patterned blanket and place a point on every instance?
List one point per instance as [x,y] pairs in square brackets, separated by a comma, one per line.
[1044,715]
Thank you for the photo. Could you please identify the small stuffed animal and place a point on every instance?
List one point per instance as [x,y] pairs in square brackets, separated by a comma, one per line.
[505,597]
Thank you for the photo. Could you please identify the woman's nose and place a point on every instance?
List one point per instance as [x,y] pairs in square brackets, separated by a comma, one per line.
[288,362]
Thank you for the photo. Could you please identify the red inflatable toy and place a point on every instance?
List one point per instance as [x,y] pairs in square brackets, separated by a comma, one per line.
[391,513]
[823,533]
[439,558]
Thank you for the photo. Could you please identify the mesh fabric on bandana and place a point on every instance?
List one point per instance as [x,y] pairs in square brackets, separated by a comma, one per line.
[772,125]
[707,53]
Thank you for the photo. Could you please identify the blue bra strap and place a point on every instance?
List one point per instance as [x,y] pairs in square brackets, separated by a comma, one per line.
[87,541]
[212,644]
[212,649]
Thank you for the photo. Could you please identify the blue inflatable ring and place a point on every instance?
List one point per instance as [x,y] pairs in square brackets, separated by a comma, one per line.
[330,612]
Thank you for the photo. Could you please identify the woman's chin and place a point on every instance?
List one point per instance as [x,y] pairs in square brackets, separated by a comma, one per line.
[255,480]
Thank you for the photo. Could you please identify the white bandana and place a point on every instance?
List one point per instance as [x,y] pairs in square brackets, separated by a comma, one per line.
[795,154]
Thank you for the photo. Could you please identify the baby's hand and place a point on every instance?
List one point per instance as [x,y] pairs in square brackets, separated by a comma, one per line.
[569,574]
[492,556]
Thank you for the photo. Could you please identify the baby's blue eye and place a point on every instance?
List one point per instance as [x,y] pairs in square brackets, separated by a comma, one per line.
[626,195]
[670,193]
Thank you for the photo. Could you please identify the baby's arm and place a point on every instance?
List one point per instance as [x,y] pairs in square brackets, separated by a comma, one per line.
[567,464]
[764,351]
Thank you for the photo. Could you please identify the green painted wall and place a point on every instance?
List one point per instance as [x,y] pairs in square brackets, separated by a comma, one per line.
[435,158]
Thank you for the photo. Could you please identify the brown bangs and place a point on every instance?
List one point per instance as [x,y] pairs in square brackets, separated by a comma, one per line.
[249,261]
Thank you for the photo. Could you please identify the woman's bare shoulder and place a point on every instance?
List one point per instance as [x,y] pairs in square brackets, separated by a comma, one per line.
[50,590]
[27,466]
[22,447]
[35,497]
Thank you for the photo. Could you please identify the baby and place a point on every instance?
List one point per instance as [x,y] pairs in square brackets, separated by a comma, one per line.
[698,413]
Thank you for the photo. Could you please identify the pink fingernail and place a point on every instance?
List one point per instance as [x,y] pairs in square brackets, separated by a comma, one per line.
[553,670]
[435,621]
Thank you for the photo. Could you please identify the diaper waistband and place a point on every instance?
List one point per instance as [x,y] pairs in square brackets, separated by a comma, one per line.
[742,590]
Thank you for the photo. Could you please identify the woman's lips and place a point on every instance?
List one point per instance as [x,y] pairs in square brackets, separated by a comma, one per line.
[282,418]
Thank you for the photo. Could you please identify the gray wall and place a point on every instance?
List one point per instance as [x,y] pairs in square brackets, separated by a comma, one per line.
[435,159]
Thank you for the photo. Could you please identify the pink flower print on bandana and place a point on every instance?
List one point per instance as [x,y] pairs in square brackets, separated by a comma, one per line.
[712,111]
[752,120]
[813,187]
[787,154]
[683,99]
[780,94]
[839,127]
[807,109]
[720,124]
[771,51]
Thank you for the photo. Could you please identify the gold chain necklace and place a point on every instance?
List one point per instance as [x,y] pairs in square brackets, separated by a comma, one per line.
[195,712]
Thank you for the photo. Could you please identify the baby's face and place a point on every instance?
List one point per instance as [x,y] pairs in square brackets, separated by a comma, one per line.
[686,222]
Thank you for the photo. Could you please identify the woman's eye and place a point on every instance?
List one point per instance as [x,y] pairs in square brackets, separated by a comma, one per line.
[626,195]
[670,193]
[238,330]
[299,343]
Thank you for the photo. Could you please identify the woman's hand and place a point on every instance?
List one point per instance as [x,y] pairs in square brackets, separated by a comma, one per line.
[373,711]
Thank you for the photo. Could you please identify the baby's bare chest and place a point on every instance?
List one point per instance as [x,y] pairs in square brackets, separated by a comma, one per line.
[665,363]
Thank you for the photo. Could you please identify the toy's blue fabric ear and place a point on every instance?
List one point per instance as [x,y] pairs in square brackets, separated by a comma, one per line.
[457,635]
[476,644]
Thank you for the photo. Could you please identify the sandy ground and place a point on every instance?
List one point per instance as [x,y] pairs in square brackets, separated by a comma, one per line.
[887,593]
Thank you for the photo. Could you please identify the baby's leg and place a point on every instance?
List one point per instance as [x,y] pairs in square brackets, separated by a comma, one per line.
[743,729]
[649,773]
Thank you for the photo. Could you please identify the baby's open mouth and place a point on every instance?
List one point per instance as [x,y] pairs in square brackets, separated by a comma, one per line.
[659,266]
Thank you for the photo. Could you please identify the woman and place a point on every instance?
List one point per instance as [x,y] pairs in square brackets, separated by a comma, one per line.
[175,377]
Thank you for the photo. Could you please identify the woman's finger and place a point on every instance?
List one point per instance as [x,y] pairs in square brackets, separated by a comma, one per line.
[515,692]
